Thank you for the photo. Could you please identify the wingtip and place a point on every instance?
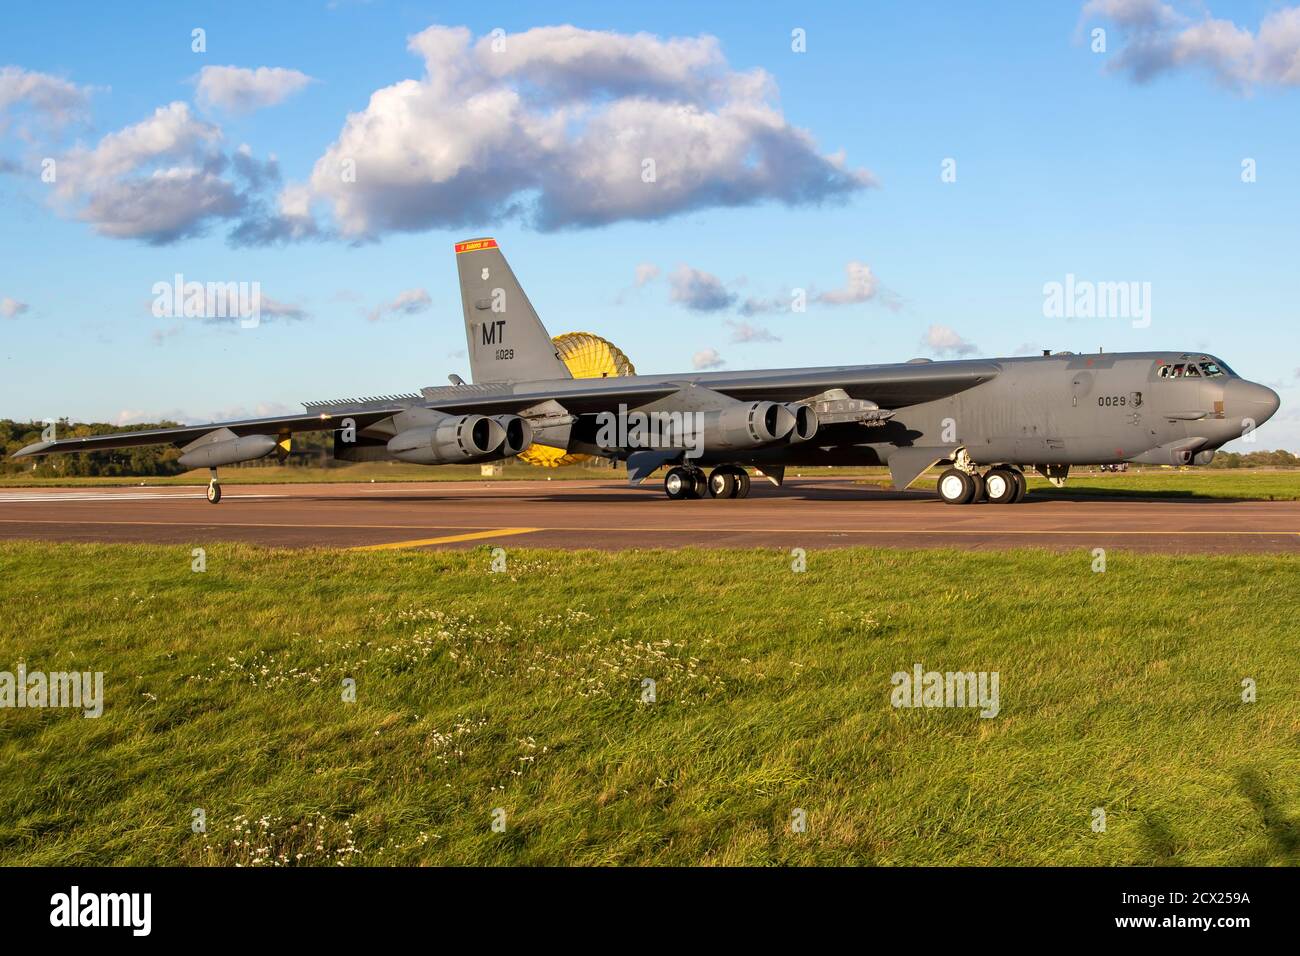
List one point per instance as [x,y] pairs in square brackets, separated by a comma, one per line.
[33,449]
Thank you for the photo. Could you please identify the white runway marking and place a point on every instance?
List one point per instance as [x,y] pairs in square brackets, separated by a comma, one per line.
[142,496]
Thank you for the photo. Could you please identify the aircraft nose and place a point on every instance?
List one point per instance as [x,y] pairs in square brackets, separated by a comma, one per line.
[1252,400]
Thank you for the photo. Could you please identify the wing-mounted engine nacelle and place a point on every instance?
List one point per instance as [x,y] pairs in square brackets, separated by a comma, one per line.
[207,453]
[805,423]
[748,425]
[461,439]
[518,432]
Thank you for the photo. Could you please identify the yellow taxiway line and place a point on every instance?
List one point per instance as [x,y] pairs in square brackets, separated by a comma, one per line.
[446,539]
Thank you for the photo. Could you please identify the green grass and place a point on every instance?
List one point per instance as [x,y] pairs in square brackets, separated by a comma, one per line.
[1254,484]
[521,690]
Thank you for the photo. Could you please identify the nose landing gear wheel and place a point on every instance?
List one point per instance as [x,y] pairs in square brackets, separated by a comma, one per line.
[214,491]
[1001,487]
[956,487]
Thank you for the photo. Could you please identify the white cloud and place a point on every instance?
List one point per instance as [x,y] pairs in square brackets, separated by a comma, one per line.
[742,332]
[859,287]
[1159,39]
[12,308]
[941,340]
[706,359]
[699,291]
[409,302]
[159,180]
[133,416]
[53,99]
[276,309]
[646,272]
[236,89]
[556,129]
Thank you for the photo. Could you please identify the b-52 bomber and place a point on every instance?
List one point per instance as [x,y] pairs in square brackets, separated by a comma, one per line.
[987,420]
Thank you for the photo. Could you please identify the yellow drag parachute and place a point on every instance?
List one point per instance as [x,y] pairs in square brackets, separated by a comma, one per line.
[587,356]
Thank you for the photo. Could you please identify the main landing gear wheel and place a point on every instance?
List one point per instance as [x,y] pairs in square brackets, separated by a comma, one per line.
[956,487]
[742,483]
[679,484]
[1001,486]
[722,483]
[729,481]
[701,489]
[1022,486]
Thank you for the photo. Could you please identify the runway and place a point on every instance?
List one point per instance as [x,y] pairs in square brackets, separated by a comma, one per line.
[808,513]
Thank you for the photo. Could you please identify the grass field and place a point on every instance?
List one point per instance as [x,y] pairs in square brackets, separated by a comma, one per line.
[522,691]
[1245,484]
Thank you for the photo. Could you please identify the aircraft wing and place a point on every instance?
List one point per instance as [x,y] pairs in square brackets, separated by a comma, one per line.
[184,434]
[889,386]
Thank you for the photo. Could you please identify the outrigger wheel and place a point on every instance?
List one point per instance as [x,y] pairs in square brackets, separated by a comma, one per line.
[214,488]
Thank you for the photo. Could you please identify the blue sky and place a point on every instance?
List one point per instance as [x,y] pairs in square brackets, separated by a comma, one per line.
[1116,166]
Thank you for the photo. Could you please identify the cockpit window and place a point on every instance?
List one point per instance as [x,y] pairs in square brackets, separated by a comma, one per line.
[1206,369]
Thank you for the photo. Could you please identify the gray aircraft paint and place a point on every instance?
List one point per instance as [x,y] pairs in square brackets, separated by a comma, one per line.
[1063,409]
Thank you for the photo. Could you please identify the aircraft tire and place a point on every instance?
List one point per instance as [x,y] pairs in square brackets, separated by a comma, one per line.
[1001,486]
[700,489]
[956,487]
[722,482]
[742,483]
[679,484]
[214,492]
[1022,486]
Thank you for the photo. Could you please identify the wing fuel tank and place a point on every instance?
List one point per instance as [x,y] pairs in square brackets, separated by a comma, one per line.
[229,451]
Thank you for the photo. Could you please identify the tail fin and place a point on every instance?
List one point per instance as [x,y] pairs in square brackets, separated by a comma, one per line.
[507,341]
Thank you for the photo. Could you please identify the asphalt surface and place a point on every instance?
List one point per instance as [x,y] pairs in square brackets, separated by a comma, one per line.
[809,513]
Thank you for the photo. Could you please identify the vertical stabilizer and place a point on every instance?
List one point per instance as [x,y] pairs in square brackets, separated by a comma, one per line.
[507,341]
